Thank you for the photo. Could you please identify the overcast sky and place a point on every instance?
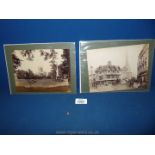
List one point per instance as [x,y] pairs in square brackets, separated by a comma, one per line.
[38,61]
[117,55]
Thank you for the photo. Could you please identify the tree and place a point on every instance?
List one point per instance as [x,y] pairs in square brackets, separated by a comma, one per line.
[50,55]
[16,62]
[53,56]
[65,66]
[28,54]
[30,77]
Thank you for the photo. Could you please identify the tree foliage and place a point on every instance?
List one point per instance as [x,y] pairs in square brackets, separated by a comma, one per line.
[16,62]
[65,66]
[28,54]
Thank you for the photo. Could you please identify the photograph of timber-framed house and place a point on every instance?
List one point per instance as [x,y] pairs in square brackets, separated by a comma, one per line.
[118,68]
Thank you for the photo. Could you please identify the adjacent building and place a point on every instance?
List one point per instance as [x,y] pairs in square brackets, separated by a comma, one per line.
[142,66]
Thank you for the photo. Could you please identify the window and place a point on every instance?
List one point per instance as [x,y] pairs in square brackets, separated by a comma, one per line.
[100,77]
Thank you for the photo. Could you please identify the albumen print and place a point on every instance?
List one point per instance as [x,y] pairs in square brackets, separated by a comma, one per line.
[118,68]
[43,68]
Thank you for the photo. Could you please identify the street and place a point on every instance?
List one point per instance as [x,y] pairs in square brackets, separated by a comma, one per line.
[110,87]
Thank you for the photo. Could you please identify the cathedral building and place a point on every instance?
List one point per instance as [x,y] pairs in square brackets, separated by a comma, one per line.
[126,73]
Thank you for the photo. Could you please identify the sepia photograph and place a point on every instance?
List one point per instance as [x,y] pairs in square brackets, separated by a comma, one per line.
[118,68]
[41,70]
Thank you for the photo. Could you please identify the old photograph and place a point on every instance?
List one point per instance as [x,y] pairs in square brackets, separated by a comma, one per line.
[118,68]
[41,70]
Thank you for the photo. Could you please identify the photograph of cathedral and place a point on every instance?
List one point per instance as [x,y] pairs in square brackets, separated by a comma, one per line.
[118,68]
